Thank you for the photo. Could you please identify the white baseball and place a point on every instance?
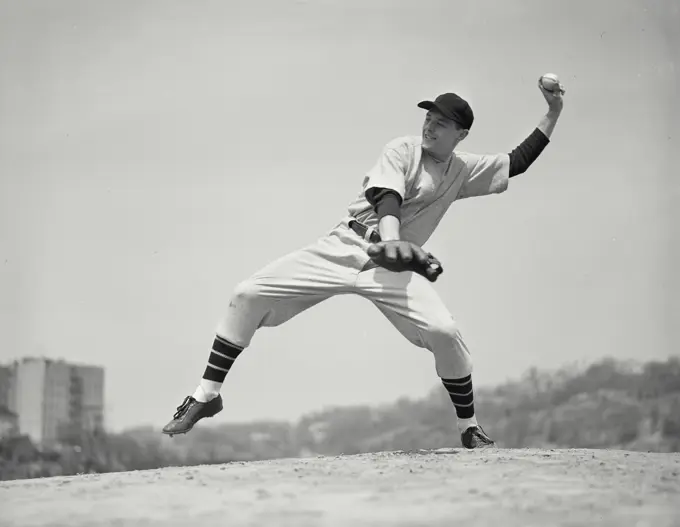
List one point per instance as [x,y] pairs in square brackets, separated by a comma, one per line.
[550,82]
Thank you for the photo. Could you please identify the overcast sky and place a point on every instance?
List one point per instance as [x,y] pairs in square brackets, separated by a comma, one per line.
[154,154]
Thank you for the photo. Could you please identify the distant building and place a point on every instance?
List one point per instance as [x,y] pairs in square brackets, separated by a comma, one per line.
[6,387]
[52,398]
[9,423]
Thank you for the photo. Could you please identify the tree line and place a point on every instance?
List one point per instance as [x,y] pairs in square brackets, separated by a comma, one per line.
[608,404]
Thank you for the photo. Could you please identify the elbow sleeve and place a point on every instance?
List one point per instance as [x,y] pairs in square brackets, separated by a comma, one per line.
[387,202]
[527,152]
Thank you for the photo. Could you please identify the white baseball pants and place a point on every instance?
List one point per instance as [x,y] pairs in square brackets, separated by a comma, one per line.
[334,265]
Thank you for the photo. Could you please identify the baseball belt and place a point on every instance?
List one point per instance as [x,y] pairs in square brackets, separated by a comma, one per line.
[369,234]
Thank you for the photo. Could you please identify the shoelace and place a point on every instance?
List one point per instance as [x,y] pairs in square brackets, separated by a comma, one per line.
[183,407]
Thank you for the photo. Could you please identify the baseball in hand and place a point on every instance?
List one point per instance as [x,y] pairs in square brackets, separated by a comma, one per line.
[551,82]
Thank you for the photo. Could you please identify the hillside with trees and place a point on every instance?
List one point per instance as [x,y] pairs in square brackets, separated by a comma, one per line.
[609,404]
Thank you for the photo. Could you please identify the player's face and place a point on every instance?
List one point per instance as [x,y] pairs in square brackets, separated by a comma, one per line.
[440,134]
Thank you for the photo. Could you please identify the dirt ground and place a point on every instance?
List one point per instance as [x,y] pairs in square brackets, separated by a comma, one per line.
[498,487]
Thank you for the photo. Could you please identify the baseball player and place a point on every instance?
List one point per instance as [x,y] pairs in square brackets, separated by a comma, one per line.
[376,252]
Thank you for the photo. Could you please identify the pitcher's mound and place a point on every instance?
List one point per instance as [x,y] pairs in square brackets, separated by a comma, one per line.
[446,487]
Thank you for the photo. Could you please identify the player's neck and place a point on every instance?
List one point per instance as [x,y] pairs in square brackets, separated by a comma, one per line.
[437,157]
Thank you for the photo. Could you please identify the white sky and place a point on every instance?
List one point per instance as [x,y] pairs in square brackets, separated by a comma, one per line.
[154,154]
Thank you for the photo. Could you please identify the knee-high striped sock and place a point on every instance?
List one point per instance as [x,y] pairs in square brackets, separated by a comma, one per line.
[222,357]
[462,397]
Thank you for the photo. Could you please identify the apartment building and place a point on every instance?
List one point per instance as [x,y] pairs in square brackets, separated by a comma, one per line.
[51,397]
[6,385]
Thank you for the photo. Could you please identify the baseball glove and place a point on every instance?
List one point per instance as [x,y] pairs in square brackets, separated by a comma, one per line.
[400,256]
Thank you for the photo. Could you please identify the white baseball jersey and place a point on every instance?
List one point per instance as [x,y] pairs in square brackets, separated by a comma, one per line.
[425,199]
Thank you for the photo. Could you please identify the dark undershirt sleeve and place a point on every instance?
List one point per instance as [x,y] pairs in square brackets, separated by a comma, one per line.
[386,202]
[527,152]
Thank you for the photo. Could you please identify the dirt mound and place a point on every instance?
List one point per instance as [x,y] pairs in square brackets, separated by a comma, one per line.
[500,487]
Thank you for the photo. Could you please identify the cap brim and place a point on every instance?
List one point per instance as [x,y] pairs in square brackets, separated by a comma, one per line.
[428,105]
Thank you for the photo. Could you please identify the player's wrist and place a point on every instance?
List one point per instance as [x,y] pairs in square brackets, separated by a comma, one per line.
[548,123]
[388,227]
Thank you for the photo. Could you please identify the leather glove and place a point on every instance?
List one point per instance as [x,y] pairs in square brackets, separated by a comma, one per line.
[400,256]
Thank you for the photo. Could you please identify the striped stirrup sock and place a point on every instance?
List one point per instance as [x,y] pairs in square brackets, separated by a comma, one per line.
[460,391]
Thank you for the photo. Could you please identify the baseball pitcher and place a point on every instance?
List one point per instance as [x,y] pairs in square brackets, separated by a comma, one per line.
[376,252]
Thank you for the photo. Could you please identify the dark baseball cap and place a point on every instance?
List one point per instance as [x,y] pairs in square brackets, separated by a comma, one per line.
[452,106]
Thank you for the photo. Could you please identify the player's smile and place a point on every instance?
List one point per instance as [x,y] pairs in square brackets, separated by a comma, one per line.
[430,137]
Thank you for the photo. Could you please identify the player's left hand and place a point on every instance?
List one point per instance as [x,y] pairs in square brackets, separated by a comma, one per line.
[553,98]
[399,256]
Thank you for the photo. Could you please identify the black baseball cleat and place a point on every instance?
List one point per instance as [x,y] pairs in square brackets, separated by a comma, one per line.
[475,437]
[191,412]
